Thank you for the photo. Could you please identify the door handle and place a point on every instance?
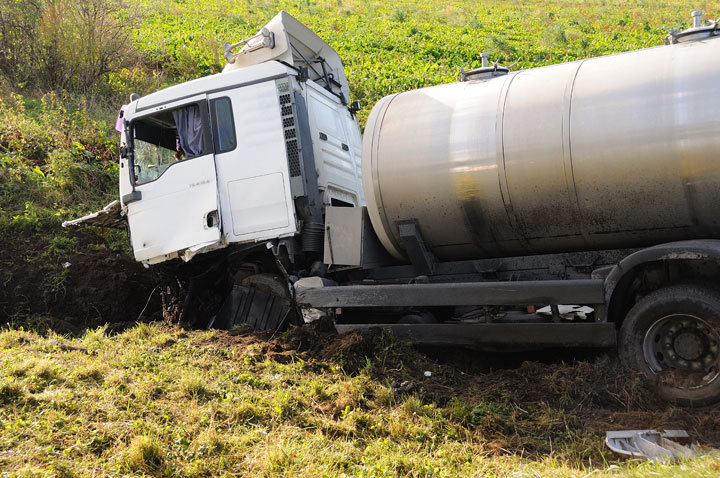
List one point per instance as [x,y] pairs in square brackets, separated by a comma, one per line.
[211,219]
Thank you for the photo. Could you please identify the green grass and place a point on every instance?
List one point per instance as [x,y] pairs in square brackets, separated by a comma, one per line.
[161,402]
[54,160]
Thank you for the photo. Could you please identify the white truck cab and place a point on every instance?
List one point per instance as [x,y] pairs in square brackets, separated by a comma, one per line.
[247,155]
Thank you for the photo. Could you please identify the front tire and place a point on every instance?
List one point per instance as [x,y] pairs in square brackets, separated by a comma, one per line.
[672,336]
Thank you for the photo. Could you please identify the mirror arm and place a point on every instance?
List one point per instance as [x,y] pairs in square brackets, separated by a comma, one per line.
[130,155]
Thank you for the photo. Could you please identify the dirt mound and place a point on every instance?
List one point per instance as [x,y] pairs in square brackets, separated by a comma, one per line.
[264,343]
[106,288]
[88,288]
[321,341]
[317,342]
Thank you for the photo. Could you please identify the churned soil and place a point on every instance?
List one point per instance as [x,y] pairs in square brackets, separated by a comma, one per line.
[84,289]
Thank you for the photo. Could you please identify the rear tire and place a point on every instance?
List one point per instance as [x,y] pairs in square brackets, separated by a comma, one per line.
[418,318]
[672,336]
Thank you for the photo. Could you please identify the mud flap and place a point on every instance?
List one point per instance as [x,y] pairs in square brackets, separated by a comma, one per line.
[256,308]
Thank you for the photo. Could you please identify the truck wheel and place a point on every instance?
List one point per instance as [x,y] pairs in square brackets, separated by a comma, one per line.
[416,317]
[672,335]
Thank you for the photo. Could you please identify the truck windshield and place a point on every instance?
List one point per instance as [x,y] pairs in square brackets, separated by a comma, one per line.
[165,138]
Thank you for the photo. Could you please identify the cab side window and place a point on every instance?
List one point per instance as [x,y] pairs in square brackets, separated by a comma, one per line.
[164,138]
[223,125]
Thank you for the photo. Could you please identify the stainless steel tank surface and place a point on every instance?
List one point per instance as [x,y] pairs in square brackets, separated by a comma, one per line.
[610,152]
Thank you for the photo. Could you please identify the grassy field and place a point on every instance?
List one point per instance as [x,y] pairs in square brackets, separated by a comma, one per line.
[410,44]
[164,402]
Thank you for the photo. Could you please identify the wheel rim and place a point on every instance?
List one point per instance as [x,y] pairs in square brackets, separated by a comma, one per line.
[684,348]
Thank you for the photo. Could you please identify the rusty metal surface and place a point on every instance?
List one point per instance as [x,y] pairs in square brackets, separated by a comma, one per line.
[613,152]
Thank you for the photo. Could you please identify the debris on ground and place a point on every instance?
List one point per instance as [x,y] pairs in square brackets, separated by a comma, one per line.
[505,397]
[568,312]
[668,445]
[399,388]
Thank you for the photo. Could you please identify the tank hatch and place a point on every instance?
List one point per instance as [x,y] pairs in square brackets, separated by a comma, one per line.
[697,32]
[485,72]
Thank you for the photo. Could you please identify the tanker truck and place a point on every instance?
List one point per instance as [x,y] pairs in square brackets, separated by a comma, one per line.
[573,205]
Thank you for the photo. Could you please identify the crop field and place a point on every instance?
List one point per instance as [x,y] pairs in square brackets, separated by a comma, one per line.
[387,48]
[92,383]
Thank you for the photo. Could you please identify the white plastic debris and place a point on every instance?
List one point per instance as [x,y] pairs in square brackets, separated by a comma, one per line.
[653,445]
[568,312]
[310,315]
[66,264]
[428,373]
[112,215]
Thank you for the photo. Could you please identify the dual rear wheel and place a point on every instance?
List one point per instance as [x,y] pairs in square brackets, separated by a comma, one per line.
[672,335]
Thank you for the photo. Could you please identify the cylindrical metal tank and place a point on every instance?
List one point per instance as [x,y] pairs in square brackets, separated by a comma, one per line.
[612,152]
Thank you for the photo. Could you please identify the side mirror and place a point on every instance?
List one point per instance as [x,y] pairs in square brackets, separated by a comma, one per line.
[303,74]
[354,107]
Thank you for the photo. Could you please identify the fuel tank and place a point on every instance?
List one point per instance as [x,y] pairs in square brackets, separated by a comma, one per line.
[611,152]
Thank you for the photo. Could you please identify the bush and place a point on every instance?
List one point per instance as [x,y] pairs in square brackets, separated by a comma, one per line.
[64,45]
[55,162]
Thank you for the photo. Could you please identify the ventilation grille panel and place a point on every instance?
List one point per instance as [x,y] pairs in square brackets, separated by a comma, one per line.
[287,112]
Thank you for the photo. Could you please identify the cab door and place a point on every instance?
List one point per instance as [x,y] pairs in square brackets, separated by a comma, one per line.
[252,162]
[337,147]
[174,205]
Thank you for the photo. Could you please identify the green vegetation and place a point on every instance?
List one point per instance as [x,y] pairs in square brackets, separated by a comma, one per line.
[55,162]
[390,48]
[161,402]
[63,143]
